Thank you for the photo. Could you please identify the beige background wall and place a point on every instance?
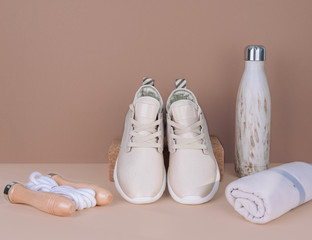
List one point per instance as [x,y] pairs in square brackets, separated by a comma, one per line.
[69,69]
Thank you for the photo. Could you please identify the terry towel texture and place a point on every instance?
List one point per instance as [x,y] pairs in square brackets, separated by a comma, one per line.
[267,195]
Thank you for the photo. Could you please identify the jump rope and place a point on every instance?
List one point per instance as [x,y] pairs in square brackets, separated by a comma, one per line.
[55,195]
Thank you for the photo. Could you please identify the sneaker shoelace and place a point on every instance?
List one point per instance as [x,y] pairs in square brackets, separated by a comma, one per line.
[145,141]
[195,142]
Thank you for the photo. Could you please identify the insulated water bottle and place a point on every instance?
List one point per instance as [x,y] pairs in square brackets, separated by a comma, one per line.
[253,116]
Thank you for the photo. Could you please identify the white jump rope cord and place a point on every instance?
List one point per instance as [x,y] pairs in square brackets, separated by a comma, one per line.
[83,197]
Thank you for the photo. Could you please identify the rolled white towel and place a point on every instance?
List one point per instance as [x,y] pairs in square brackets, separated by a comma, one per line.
[267,195]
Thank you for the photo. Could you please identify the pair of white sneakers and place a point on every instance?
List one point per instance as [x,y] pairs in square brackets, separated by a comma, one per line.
[193,173]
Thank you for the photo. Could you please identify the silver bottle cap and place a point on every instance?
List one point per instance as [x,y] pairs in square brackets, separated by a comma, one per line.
[254,53]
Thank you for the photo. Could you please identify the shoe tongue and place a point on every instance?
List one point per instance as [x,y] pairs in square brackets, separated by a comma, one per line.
[184,112]
[146,109]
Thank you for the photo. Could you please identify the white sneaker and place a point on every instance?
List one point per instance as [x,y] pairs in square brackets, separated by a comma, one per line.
[139,173]
[193,174]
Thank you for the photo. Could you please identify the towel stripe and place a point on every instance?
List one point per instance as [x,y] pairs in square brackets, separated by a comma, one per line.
[296,183]
[180,83]
[148,81]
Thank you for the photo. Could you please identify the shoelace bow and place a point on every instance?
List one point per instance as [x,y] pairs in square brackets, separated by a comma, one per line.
[149,140]
[195,142]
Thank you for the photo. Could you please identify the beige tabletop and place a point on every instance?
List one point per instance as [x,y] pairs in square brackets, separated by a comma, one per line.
[164,219]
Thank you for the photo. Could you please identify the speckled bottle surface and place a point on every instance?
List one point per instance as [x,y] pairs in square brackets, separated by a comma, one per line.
[253,116]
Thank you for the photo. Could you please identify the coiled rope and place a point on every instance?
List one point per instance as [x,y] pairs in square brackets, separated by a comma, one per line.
[82,197]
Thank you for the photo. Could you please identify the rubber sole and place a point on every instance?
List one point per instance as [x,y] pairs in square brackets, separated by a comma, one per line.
[192,200]
[143,200]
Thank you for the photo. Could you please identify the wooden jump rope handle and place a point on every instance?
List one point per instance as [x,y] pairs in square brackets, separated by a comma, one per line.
[102,196]
[47,202]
